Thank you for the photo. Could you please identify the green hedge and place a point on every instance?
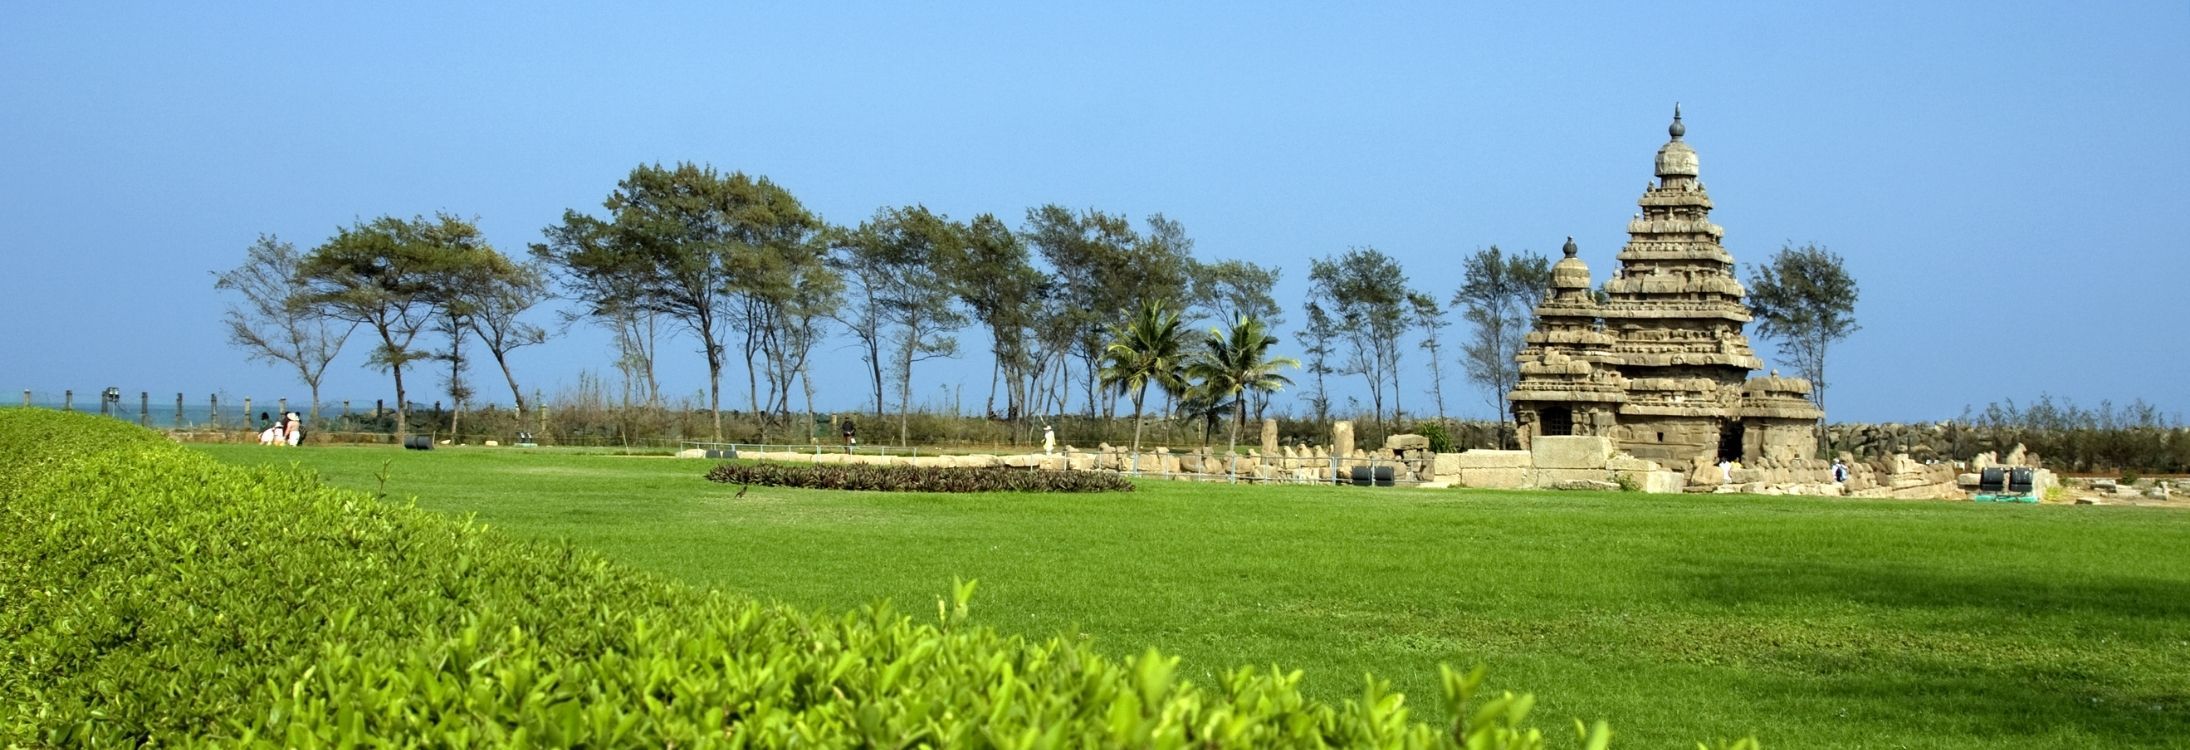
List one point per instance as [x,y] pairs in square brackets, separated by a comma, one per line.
[917,479]
[150,595]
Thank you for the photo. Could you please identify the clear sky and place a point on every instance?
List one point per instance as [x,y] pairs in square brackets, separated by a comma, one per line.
[2005,180]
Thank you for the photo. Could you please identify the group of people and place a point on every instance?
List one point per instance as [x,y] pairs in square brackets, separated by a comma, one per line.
[288,431]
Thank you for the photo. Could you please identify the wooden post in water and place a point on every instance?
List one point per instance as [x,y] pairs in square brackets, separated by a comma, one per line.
[68,400]
[144,408]
[178,409]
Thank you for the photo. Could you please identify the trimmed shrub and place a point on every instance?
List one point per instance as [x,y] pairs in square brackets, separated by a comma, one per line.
[150,595]
[916,479]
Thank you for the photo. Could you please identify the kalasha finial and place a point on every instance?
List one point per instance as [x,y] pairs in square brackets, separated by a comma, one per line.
[1570,249]
[1677,129]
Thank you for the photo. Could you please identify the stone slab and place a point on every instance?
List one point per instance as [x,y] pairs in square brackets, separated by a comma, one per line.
[1555,477]
[1484,460]
[1406,442]
[1570,451]
[1660,482]
[1500,478]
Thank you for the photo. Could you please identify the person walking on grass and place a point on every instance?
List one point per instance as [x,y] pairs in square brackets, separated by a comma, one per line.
[851,435]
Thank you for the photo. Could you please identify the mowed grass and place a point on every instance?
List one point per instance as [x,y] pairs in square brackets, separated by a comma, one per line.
[1808,622]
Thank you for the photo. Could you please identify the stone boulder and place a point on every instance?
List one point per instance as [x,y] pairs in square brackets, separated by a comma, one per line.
[1570,451]
[1407,443]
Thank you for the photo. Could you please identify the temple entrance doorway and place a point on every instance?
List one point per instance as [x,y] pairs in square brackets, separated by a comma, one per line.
[1558,420]
[1730,435]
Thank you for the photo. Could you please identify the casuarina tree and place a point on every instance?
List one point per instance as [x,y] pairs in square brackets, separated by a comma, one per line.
[1804,301]
[274,321]
[1497,294]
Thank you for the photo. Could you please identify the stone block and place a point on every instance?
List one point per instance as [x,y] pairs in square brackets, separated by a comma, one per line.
[1498,478]
[1270,437]
[1555,477]
[1662,482]
[1342,437]
[1485,460]
[1029,460]
[1624,462]
[1434,485]
[692,453]
[1406,443]
[1570,451]
[1593,485]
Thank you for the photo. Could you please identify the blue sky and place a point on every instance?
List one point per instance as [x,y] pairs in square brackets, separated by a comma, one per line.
[2006,181]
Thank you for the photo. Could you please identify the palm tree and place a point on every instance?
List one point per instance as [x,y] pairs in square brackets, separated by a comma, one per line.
[1149,349]
[1236,361]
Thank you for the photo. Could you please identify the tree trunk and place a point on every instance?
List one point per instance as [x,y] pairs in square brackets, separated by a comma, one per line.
[518,394]
[1239,417]
[904,389]
[402,405]
[1137,397]
[714,382]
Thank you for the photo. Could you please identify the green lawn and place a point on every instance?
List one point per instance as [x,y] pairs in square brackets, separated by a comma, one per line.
[1808,622]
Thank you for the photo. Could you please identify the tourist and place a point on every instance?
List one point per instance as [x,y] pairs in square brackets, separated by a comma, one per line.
[1049,440]
[292,426]
[851,435]
[1840,471]
[271,435]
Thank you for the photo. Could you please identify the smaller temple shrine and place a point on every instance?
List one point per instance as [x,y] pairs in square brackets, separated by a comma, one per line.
[1658,361]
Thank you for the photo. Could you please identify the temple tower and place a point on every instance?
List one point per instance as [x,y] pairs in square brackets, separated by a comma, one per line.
[1661,366]
[1569,384]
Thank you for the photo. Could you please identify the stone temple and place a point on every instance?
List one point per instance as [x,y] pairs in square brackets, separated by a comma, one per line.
[1659,363]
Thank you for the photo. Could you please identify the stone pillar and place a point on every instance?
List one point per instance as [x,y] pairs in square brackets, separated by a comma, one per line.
[1342,438]
[1269,437]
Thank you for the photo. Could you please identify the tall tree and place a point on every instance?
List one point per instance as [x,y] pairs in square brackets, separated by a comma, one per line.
[606,296]
[390,274]
[452,321]
[1147,350]
[1225,290]
[781,286]
[1804,301]
[1104,267]
[857,256]
[274,323]
[506,291]
[895,261]
[1497,294]
[670,245]
[993,274]
[1236,361]
[1430,318]
[1319,339]
[1367,298]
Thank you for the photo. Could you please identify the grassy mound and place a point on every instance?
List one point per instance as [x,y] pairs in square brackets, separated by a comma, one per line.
[150,595]
[916,479]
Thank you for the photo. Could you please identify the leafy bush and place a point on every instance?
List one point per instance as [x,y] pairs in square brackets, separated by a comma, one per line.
[916,479]
[152,596]
[1440,441]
